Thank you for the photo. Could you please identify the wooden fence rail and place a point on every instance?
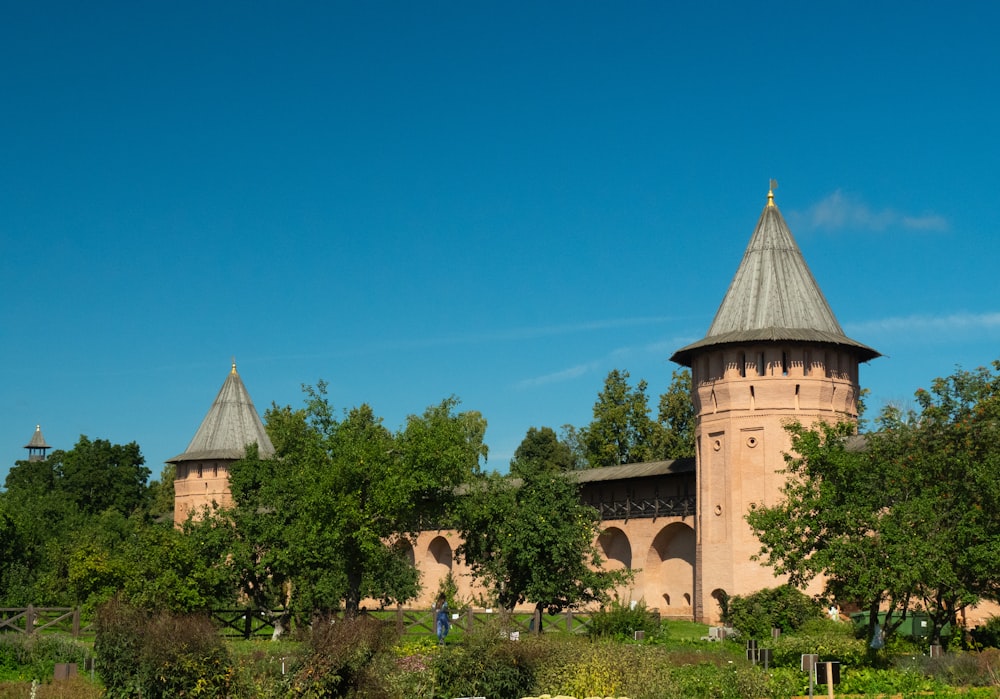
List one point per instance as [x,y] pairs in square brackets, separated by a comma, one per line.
[29,620]
[259,623]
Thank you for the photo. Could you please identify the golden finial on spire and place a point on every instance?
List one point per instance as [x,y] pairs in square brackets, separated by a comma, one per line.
[234,364]
[770,192]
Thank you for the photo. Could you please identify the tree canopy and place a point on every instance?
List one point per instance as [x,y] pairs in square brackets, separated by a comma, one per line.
[531,539]
[330,510]
[77,528]
[907,519]
[623,431]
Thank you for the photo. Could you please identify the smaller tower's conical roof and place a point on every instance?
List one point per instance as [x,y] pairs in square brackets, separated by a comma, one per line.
[232,423]
[37,440]
[773,297]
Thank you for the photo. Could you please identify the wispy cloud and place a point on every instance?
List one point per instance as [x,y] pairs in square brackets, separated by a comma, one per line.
[839,211]
[954,322]
[572,372]
[663,348]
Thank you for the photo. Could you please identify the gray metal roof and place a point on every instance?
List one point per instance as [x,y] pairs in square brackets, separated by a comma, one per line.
[231,424]
[773,297]
[625,471]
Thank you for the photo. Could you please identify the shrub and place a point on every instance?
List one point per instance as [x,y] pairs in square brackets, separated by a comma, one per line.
[488,664]
[987,635]
[160,654]
[621,621]
[956,669]
[34,657]
[783,607]
[829,640]
[578,668]
[345,657]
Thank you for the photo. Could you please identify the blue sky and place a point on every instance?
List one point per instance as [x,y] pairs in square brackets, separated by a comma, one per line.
[500,201]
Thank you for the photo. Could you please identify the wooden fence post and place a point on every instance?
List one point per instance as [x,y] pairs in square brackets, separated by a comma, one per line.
[76,622]
[569,621]
[29,620]
[536,620]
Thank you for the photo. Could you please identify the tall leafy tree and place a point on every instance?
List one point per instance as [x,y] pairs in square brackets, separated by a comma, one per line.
[676,418]
[50,501]
[99,475]
[531,539]
[622,431]
[328,512]
[910,519]
[541,446]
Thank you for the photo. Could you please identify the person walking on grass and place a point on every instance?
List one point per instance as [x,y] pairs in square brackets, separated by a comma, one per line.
[441,617]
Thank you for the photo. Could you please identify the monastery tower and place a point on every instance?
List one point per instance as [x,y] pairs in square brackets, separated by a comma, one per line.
[202,471]
[774,354]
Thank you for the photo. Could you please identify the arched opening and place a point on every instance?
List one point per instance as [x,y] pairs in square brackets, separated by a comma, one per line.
[669,568]
[615,548]
[721,598]
[405,549]
[437,562]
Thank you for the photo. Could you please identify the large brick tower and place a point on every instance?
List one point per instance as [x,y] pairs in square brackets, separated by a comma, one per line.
[202,471]
[774,354]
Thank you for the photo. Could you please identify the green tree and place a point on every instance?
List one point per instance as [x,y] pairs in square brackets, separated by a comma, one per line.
[533,540]
[676,418]
[99,475]
[150,565]
[329,511]
[161,493]
[541,446]
[622,431]
[907,521]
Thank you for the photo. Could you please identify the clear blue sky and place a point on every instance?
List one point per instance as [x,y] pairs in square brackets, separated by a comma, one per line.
[500,201]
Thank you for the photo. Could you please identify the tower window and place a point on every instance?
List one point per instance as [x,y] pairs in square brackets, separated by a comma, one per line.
[760,364]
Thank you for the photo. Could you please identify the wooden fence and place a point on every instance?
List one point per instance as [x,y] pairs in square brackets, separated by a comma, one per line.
[260,623]
[29,620]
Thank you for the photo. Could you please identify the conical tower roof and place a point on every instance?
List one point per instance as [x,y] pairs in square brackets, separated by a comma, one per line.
[231,424]
[773,297]
[37,440]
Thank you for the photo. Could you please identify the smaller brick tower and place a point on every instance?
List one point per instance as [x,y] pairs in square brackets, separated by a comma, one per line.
[774,354]
[202,475]
[37,446]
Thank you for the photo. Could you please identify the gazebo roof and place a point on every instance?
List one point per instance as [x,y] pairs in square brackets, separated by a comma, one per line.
[773,297]
[232,423]
[37,440]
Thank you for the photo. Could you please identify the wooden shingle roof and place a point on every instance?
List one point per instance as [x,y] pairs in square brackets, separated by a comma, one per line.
[37,440]
[773,297]
[231,424]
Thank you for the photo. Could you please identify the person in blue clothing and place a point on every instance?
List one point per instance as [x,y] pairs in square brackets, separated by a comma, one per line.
[441,617]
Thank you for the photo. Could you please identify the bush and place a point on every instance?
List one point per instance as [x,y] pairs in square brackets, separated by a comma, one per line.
[348,657]
[987,635]
[25,657]
[829,640]
[621,621]
[488,664]
[578,668]
[956,669]
[160,654]
[785,608]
